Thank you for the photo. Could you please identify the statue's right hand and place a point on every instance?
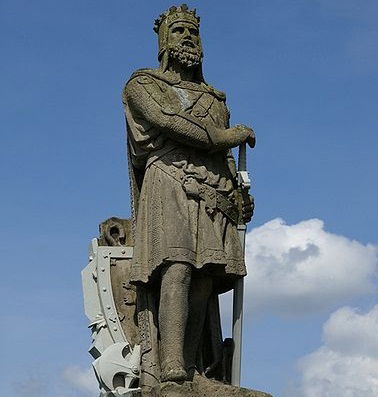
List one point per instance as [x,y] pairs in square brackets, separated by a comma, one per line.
[247,133]
[233,136]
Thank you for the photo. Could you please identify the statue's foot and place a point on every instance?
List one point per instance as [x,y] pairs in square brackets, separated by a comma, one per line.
[173,371]
[191,370]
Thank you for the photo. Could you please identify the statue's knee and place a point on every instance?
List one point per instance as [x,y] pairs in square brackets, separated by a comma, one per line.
[177,274]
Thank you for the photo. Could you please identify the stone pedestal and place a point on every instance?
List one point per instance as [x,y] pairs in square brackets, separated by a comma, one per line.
[203,387]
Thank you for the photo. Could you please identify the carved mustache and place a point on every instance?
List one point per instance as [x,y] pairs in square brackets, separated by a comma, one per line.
[188,43]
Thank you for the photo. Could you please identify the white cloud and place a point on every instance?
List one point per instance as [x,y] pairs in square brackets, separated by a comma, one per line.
[347,363]
[352,333]
[82,380]
[32,386]
[302,268]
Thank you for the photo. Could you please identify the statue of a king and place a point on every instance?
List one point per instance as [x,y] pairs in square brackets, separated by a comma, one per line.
[185,204]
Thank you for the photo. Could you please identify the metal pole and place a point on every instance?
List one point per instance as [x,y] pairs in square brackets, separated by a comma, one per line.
[238,293]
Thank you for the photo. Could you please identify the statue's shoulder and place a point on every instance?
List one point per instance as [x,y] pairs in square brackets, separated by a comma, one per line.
[217,93]
[147,76]
[154,81]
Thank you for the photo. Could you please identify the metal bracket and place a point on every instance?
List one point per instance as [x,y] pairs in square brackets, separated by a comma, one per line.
[107,332]
[105,255]
[243,180]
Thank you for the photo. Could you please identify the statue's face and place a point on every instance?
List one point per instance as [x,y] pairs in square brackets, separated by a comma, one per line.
[184,43]
[185,34]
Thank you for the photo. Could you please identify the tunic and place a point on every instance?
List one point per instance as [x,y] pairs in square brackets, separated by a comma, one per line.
[179,216]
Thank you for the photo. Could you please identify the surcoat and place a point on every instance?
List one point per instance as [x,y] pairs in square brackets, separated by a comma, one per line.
[186,207]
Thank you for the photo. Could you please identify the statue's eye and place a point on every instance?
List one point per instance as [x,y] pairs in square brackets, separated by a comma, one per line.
[193,31]
[178,29]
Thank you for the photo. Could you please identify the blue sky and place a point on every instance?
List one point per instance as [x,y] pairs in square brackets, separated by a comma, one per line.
[303,73]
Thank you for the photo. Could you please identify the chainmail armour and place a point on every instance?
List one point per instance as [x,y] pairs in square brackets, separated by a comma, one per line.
[185,211]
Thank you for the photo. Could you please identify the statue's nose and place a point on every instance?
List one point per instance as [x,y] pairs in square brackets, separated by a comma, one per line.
[187,33]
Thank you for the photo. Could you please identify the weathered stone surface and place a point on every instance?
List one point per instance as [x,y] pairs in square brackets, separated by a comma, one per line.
[187,205]
[203,387]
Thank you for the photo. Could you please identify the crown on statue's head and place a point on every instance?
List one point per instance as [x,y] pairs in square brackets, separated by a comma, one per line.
[177,14]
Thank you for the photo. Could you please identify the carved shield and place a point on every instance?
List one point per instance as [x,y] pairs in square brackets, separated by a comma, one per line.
[110,305]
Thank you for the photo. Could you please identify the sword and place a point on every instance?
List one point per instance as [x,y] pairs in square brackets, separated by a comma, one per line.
[244,184]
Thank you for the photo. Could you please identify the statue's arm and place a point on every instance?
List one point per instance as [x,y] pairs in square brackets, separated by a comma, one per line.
[149,104]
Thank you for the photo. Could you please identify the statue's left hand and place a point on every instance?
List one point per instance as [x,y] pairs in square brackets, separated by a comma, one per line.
[247,207]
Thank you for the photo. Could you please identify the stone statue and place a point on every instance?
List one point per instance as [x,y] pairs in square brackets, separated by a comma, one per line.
[186,207]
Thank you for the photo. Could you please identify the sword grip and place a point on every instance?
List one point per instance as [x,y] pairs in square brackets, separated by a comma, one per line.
[242,159]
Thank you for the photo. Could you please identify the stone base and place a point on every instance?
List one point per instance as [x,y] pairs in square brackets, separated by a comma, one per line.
[202,387]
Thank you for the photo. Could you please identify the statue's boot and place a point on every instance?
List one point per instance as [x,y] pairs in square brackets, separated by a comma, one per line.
[200,291]
[173,314]
[173,371]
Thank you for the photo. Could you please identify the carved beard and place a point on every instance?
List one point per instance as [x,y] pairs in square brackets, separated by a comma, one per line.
[187,56]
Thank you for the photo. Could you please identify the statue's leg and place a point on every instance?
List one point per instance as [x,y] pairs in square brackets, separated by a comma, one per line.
[148,328]
[200,291]
[173,314]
